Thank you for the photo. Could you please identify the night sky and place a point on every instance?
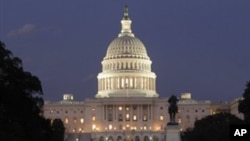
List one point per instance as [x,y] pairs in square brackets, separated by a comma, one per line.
[196,46]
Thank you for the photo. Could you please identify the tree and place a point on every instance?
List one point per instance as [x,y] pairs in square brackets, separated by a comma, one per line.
[57,130]
[212,128]
[244,104]
[20,102]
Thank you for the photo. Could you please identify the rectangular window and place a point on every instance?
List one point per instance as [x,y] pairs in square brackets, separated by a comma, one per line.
[74,121]
[179,120]
[110,117]
[120,117]
[127,117]
[93,118]
[81,120]
[66,120]
[127,108]
[110,127]
[161,117]
[134,118]
[93,127]
[145,117]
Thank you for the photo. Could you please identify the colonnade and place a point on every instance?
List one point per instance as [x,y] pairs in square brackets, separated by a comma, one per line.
[127,65]
[129,82]
[128,112]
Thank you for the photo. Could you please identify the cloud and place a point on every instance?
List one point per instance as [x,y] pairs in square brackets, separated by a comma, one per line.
[30,29]
[90,77]
[26,29]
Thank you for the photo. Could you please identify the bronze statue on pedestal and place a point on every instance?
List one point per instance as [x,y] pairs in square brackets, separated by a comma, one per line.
[172,109]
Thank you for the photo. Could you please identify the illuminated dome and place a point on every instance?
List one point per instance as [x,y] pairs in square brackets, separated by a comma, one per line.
[126,47]
[126,68]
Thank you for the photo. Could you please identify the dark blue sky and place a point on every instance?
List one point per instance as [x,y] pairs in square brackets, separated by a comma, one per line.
[197,46]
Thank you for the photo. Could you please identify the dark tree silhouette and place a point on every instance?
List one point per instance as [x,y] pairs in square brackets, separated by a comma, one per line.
[211,128]
[244,104]
[20,102]
[57,130]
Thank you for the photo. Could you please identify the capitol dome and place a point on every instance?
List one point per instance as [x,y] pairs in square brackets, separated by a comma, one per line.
[126,68]
[126,47]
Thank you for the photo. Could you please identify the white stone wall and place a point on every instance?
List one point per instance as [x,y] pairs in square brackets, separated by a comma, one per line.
[136,113]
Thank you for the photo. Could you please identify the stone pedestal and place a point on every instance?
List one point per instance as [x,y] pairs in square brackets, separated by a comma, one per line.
[173,132]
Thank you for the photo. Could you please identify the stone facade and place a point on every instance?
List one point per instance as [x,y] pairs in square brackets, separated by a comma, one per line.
[127,117]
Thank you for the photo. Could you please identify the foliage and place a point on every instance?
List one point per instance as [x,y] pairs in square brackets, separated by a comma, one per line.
[58,130]
[20,102]
[212,128]
[244,104]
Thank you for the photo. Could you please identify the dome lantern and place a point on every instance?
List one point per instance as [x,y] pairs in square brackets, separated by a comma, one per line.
[126,24]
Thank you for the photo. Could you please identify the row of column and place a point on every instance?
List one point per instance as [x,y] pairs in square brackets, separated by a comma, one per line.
[140,112]
[114,83]
[126,65]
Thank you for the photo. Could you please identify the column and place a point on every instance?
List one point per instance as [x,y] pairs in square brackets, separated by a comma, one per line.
[128,82]
[133,82]
[117,82]
[98,86]
[101,83]
[109,83]
[147,78]
[148,112]
[113,112]
[154,83]
[150,83]
[142,82]
[104,112]
[140,111]
[131,113]
[112,83]
[104,83]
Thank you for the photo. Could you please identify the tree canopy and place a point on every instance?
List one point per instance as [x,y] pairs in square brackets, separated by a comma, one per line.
[21,102]
[212,128]
[58,130]
[244,104]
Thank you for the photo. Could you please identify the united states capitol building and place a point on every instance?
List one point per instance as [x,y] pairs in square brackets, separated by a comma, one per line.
[127,106]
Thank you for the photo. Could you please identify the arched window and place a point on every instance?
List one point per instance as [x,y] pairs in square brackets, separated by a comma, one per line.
[155,138]
[137,138]
[146,138]
[110,138]
[101,138]
[119,138]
